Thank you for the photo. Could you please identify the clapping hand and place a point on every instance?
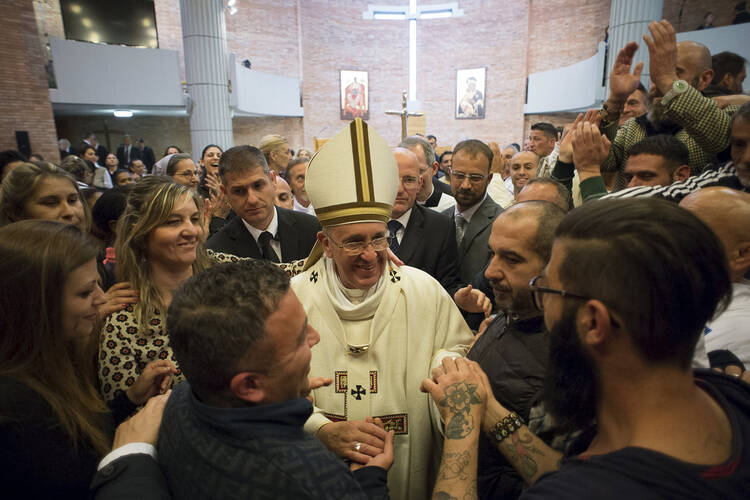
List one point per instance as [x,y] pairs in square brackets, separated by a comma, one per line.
[622,82]
[662,53]
[590,149]
[566,143]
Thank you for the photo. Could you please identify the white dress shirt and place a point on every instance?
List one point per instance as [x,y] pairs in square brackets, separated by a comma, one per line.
[309,210]
[273,228]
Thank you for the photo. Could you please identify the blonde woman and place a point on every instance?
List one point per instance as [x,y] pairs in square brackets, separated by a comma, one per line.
[159,245]
[276,150]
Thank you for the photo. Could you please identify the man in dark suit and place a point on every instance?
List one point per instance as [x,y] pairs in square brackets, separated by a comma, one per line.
[101,151]
[420,237]
[432,193]
[474,211]
[147,154]
[262,230]
[127,152]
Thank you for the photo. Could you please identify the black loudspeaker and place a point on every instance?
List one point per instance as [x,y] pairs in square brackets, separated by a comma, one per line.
[23,143]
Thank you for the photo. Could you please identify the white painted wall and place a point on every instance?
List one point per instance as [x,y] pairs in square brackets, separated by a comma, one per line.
[255,93]
[89,73]
[578,86]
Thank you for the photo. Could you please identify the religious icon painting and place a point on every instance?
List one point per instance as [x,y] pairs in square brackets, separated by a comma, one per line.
[354,95]
[470,93]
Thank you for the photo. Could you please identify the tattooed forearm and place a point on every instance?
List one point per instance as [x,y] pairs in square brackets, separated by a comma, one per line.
[518,448]
[442,495]
[458,398]
[453,465]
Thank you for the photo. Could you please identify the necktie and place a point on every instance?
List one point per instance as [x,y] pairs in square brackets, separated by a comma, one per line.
[264,242]
[460,228]
[393,227]
[127,155]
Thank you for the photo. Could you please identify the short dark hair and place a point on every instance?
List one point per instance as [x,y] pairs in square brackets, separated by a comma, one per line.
[241,159]
[83,148]
[642,88]
[658,266]
[203,153]
[473,147]
[672,150]
[546,128]
[109,207]
[179,150]
[563,194]
[430,136]
[216,322]
[174,160]
[449,152]
[726,63]
[413,140]
[548,216]
[10,156]
[120,171]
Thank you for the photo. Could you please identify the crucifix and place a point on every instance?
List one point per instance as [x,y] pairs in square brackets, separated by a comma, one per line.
[412,12]
[404,113]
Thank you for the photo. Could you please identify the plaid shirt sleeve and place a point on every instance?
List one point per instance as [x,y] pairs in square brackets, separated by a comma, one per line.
[702,119]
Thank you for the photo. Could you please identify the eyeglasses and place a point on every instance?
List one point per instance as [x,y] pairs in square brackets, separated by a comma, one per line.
[538,290]
[460,176]
[408,181]
[187,175]
[359,247]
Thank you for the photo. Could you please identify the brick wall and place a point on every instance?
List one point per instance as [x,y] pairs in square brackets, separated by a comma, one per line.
[23,82]
[314,39]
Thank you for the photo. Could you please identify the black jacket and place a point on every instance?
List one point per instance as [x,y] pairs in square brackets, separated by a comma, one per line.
[513,354]
[429,243]
[297,234]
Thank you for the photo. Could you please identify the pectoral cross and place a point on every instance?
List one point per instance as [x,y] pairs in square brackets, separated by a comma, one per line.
[404,113]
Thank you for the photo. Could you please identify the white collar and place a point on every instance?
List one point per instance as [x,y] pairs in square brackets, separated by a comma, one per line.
[404,218]
[273,226]
[432,189]
[469,212]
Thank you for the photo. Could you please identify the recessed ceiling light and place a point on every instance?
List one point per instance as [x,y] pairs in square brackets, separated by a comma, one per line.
[123,113]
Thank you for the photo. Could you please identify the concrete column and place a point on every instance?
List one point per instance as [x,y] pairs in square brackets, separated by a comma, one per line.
[628,22]
[204,37]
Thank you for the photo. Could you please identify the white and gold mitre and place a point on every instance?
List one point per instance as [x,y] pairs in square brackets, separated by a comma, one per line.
[353,178]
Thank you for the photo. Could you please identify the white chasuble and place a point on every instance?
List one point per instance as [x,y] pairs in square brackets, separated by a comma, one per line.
[377,346]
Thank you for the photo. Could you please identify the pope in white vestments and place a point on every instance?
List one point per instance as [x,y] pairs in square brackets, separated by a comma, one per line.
[382,327]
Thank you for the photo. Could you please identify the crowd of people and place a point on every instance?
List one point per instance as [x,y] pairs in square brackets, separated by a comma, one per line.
[563,318]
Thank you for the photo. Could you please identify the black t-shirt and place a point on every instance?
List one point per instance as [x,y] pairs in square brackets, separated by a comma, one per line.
[639,473]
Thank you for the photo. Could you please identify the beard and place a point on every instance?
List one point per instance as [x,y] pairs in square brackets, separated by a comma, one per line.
[570,387]
[658,120]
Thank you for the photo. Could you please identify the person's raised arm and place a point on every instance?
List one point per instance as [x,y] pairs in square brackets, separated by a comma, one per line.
[590,149]
[622,83]
[461,399]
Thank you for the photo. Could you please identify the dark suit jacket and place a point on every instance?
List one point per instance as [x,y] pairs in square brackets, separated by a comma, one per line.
[472,252]
[147,155]
[130,476]
[441,186]
[429,243]
[135,154]
[297,234]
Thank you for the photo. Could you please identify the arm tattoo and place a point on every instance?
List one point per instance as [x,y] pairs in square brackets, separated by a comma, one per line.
[442,495]
[518,448]
[458,398]
[453,465]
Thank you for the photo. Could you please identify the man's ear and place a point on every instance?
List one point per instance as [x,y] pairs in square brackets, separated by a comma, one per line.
[739,261]
[272,174]
[325,242]
[704,80]
[435,166]
[594,323]
[727,81]
[681,173]
[248,387]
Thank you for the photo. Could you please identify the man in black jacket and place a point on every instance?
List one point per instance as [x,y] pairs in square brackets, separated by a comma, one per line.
[420,237]
[514,349]
[262,230]
[234,429]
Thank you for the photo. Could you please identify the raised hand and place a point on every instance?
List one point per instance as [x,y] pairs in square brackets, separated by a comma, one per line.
[117,298]
[590,149]
[662,53]
[497,157]
[355,440]
[622,82]
[155,379]
[473,301]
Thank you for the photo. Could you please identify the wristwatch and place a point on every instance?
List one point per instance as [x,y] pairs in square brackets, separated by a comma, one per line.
[678,87]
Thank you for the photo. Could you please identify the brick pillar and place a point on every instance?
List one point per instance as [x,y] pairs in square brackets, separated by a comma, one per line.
[24,90]
[628,21]
[205,47]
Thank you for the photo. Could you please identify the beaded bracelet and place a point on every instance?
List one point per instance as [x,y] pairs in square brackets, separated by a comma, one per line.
[505,427]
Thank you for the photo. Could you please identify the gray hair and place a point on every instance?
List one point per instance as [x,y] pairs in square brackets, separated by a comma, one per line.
[413,140]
